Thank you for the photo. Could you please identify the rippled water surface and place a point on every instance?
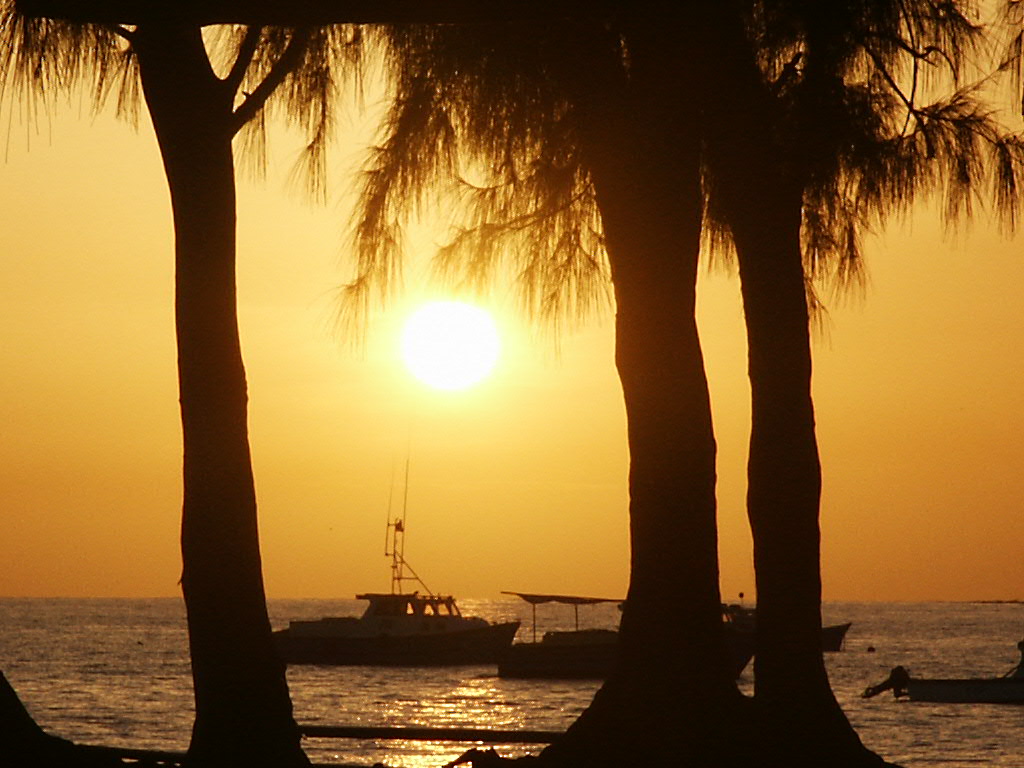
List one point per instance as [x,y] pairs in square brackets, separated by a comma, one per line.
[116,672]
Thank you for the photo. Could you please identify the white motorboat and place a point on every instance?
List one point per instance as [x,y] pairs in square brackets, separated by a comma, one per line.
[398,628]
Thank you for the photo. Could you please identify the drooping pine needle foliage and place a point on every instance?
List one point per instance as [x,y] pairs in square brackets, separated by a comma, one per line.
[874,105]
[291,74]
[40,58]
[878,103]
[489,115]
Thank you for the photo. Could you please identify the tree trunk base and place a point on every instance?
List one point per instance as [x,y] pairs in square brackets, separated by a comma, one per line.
[254,750]
[628,725]
[723,731]
[23,744]
[816,735]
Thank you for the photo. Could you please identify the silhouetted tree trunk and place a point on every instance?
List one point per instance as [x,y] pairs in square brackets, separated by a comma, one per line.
[761,199]
[784,475]
[672,696]
[802,719]
[243,711]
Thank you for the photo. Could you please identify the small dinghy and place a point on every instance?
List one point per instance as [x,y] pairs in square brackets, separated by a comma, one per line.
[1008,689]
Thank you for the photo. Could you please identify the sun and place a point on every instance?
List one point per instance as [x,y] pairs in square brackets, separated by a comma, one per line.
[450,345]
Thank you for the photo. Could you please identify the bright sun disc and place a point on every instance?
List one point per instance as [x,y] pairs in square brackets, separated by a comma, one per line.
[450,345]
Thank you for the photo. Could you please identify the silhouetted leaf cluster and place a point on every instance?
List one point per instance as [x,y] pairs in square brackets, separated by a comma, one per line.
[275,72]
[872,105]
[877,104]
[489,115]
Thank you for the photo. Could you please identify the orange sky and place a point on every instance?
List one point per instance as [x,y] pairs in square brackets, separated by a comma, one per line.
[516,484]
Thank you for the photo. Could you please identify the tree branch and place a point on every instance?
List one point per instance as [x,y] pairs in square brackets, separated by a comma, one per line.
[289,60]
[245,53]
[917,54]
[880,65]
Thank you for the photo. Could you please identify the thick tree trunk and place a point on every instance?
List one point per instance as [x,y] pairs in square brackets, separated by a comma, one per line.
[243,711]
[673,696]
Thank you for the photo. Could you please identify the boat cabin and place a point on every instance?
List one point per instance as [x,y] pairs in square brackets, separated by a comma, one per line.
[408,604]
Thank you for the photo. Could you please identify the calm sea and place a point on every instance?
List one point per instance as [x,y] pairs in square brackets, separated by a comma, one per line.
[115,672]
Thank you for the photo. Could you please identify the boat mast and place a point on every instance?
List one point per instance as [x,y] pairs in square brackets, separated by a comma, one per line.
[394,545]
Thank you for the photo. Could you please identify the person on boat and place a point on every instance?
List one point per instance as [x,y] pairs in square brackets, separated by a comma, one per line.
[1019,671]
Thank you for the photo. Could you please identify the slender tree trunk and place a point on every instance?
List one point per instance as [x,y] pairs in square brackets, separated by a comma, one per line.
[672,696]
[784,475]
[243,711]
[761,198]
[803,721]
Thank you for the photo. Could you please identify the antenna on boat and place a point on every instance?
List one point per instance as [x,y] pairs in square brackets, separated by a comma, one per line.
[394,545]
[387,517]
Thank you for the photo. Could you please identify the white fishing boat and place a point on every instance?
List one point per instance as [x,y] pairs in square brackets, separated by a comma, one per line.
[398,628]
[1008,689]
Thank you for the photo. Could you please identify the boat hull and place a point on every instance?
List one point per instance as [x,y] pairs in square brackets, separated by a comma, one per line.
[475,645]
[741,618]
[832,637]
[591,659]
[998,690]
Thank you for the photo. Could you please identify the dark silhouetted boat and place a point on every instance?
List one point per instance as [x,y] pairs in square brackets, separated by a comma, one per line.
[743,619]
[584,653]
[398,628]
[994,690]
[1008,689]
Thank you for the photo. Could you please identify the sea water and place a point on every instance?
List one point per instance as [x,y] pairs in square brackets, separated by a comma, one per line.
[116,672]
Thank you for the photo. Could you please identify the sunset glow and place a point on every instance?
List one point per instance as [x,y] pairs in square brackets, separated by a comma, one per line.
[916,381]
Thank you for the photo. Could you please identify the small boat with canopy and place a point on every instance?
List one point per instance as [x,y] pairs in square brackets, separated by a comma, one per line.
[583,653]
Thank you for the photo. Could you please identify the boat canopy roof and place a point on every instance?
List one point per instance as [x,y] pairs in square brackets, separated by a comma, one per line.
[566,599]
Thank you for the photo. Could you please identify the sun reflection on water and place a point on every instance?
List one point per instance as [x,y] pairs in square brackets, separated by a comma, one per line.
[474,702]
